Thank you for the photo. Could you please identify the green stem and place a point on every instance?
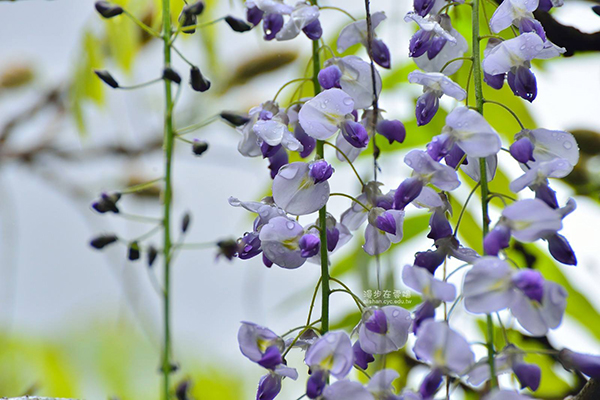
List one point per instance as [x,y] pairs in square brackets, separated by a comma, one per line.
[316,59]
[167,197]
[479,101]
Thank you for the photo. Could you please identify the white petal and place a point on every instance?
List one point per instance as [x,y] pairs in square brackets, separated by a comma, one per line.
[320,116]
[296,192]
[357,81]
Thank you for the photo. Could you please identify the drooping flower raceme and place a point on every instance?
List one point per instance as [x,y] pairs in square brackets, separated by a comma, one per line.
[492,285]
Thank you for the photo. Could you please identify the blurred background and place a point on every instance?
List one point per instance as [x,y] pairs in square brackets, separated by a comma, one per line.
[75,322]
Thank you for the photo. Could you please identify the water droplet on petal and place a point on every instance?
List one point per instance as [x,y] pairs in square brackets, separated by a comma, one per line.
[567,145]
[395,313]
[290,225]
[348,101]
[288,173]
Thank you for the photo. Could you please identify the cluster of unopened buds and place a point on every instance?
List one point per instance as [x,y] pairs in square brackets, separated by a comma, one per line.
[348,86]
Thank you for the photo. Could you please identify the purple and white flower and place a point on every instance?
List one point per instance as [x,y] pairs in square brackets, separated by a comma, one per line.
[353,75]
[383,330]
[356,32]
[303,18]
[300,188]
[518,13]
[435,85]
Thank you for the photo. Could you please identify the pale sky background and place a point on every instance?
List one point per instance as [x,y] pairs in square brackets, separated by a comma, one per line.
[52,283]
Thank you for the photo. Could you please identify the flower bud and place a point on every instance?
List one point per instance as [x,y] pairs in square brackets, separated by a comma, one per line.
[561,250]
[376,322]
[440,227]
[496,240]
[188,21]
[386,223]
[333,237]
[531,283]
[408,190]
[271,358]
[427,106]
[199,83]
[546,194]
[585,363]
[392,130]
[430,259]
[546,5]
[269,387]
[419,43]
[182,389]
[272,24]
[107,203]
[381,53]
[529,375]
[308,142]
[278,160]
[107,9]
[237,25]
[316,383]
[425,311]
[437,44]
[532,25]
[133,253]
[313,31]
[249,246]
[423,7]
[102,241]
[320,171]
[106,78]
[522,150]
[431,383]
[195,8]
[185,222]
[355,133]
[329,77]
[361,358]
[523,83]
[228,248]
[439,147]
[169,74]
[199,147]
[152,254]
[309,245]
[254,15]
[234,119]
[268,150]
[454,156]
[494,81]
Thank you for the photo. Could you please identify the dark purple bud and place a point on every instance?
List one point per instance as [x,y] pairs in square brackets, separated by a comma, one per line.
[431,383]
[427,105]
[437,44]
[531,283]
[272,24]
[424,312]
[494,81]
[188,21]
[182,389]
[522,150]
[234,119]
[355,133]
[254,15]
[169,74]
[277,161]
[199,147]
[419,43]
[249,246]
[107,203]
[195,8]
[393,130]
[237,24]
[361,358]
[102,241]
[585,363]
[107,9]
[309,245]
[308,142]
[523,84]
[268,263]
[227,248]
[423,7]
[152,254]
[107,78]
[198,81]
[271,358]
[316,383]
[439,147]
[454,156]
[440,227]
[385,202]
[529,375]
[408,190]
[430,259]
[545,5]
[268,387]
[561,250]
[333,237]
[313,31]
[330,77]
[377,322]
[133,252]
[386,223]
[268,150]
[320,171]
[532,25]
[496,240]
[185,222]
[381,53]
[547,195]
